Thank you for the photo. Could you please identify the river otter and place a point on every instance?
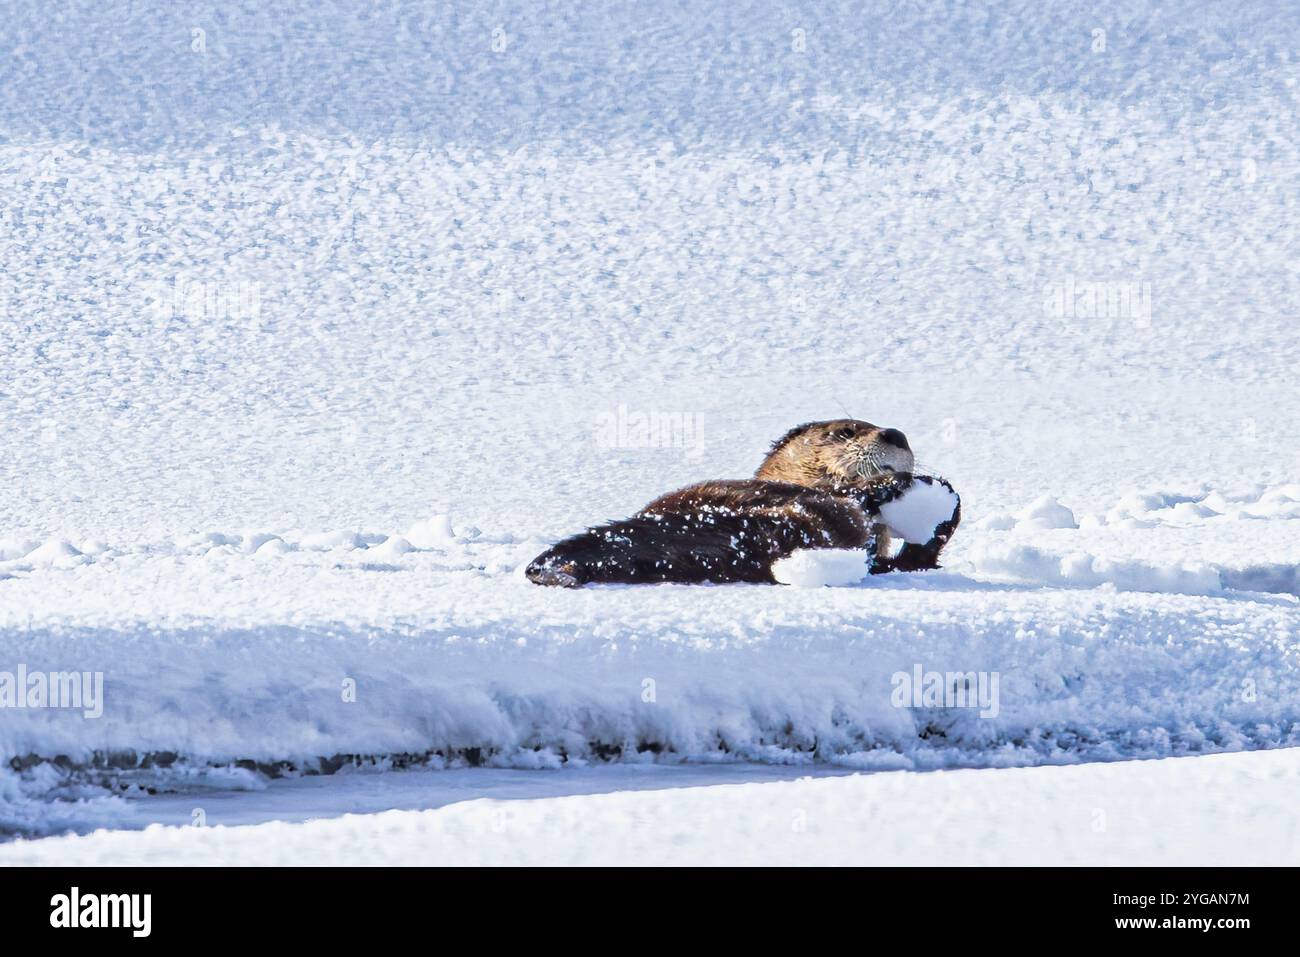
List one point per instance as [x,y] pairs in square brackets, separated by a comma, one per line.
[821,486]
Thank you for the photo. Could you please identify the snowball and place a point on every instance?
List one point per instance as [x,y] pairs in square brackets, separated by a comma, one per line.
[815,567]
[914,515]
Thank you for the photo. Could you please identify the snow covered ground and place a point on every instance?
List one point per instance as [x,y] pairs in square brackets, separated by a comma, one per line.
[316,327]
[1130,813]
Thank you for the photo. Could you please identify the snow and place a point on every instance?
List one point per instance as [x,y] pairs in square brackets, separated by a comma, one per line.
[1046,512]
[913,515]
[313,325]
[814,568]
[215,656]
[1180,812]
[916,513]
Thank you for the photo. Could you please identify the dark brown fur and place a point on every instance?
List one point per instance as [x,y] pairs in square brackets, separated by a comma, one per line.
[821,486]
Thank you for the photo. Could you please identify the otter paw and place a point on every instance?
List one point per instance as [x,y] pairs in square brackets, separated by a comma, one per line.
[885,489]
[926,509]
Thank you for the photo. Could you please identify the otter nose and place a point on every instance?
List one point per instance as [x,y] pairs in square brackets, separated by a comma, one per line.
[895,438]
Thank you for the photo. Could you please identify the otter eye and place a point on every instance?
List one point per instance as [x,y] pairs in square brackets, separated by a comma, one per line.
[845,433]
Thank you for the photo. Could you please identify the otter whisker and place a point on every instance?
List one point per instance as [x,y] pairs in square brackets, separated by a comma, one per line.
[868,465]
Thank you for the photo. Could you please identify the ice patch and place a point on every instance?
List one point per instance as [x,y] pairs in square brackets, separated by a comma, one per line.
[40,801]
[1276,579]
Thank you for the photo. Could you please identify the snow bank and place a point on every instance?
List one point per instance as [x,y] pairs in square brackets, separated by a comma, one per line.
[1208,811]
[213,657]
[299,651]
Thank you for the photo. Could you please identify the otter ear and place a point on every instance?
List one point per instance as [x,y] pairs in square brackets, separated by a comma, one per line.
[786,439]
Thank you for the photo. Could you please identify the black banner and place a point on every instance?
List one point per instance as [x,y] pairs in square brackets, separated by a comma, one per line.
[335,906]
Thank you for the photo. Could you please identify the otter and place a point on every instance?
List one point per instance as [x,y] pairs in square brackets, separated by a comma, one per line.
[822,485]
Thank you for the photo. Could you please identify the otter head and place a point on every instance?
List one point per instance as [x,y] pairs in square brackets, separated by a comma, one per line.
[839,452]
